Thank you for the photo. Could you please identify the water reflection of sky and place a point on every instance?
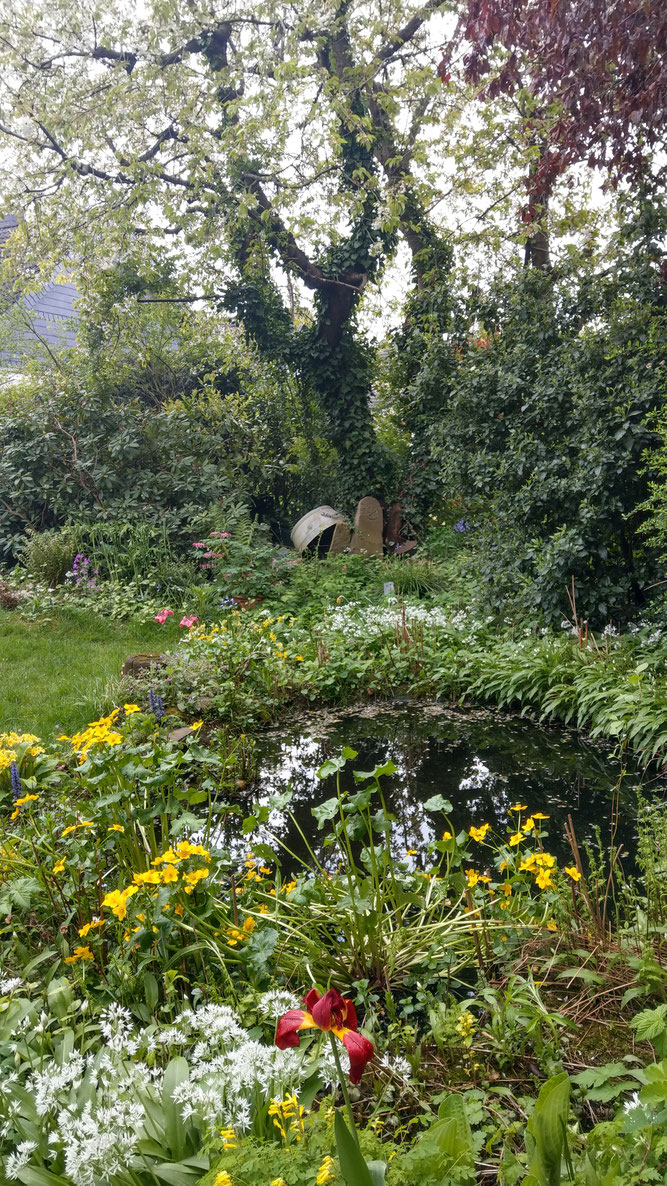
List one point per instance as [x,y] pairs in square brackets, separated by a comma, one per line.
[483,762]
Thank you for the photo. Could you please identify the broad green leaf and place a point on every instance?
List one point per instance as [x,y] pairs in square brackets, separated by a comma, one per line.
[545,1131]
[174,1129]
[353,1166]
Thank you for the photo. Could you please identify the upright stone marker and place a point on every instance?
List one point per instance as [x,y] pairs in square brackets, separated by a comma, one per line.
[341,539]
[367,535]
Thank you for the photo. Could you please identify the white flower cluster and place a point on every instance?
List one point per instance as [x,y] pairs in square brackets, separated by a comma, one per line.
[370,621]
[97,1109]
[9,984]
[278,1001]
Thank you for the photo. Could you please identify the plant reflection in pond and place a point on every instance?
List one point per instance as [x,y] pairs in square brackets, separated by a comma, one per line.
[480,760]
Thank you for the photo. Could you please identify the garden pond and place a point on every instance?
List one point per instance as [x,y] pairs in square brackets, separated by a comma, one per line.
[482,761]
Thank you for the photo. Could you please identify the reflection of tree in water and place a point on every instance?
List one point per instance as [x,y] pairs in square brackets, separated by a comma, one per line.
[483,762]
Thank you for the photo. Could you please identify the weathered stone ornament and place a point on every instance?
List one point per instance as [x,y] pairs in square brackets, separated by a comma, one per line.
[368,524]
[137,663]
[319,529]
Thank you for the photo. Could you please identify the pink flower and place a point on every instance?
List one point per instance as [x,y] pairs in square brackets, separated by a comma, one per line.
[163,615]
[199,544]
[225,535]
[188,621]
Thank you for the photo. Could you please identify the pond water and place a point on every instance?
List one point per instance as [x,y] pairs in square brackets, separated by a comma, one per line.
[482,761]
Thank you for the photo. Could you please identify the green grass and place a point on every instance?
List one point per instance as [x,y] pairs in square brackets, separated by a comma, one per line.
[59,673]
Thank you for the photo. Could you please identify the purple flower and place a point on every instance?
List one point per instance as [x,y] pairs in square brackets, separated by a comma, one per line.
[155,704]
[462,525]
[15,779]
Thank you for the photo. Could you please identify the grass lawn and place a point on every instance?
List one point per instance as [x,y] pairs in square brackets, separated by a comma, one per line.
[59,673]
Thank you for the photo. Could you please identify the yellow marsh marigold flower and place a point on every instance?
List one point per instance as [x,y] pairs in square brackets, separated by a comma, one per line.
[325,1173]
[130,708]
[59,867]
[447,836]
[26,799]
[519,807]
[117,901]
[516,838]
[84,823]
[91,926]
[278,1182]
[115,828]
[478,834]
[196,724]
[151,877]
[223,1179]
[80,953]
[539,815]
[193,877]
[473,877]
[573,872]
[543,879]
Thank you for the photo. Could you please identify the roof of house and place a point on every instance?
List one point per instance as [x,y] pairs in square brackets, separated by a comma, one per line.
[50,314]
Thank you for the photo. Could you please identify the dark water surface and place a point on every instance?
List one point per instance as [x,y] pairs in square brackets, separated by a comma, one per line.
[482,761]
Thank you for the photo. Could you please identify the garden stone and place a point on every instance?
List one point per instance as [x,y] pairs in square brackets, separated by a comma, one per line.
[341,539]
[367,537]
[134,664]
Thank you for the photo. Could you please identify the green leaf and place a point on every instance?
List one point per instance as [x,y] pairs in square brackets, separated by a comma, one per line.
[650,1023]
[36,1175]
[326,811]
[546,1129]
[60,997]
[333,765]
[353,1166]
[151,990]
[437,803]
[174,1129]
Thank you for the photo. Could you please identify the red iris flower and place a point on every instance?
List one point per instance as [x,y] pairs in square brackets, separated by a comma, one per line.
[331,1013]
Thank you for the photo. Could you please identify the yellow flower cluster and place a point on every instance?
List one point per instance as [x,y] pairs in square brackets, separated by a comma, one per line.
[223,1179]
[9,744]
[466,1025]
[84,823]
[478,834]
[90,926]
[236,936]
[21,803]
[162,872]
[100,732]
[540,864]
[80,953]
[183,850]
[325,1174]
[287,1115]
[473,877]
[117,900]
